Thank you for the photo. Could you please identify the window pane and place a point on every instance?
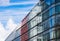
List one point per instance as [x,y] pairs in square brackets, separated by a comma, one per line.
[57,19]
[34,22]
[33,39]
[39,29]
[52,21]
[58,33]
[52,1]
[40,38]
[17,39]
[57,9]
[52,11]
[49,2]
[52,34]
[46,37]
[45,15]
[46,25]
[39,18]
[33,31]
[44,6]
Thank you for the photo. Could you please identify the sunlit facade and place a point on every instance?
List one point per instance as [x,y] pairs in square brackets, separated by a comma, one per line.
[44,21]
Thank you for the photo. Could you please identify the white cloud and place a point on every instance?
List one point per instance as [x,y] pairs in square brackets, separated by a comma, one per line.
[10,24]
[3,32]
[8,29]
[17,12]
[4,2]
[11,13]
[7,2]
[4,16]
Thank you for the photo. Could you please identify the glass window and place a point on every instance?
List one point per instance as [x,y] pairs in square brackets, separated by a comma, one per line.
[29,25]
[52,21]
[17,39]
[49,2]
[46,37]
[52,11]
[57,9]
[39,29]
[31,15]
[52,1]
[34,21]
[57,19]
[55,34]
[33,39]
[58,33]
[46,25]
[45,15]
[17,33]
[52,34]
[33,32]
[39,18]
[40,38]
[44,6]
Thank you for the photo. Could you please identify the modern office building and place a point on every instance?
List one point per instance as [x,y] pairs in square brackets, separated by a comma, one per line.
[44,21]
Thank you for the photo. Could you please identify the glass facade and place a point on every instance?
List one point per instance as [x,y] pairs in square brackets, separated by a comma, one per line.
[17,35]
[44,25]
[17,39]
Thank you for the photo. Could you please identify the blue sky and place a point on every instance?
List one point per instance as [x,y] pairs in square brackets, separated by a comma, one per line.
[17,11]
